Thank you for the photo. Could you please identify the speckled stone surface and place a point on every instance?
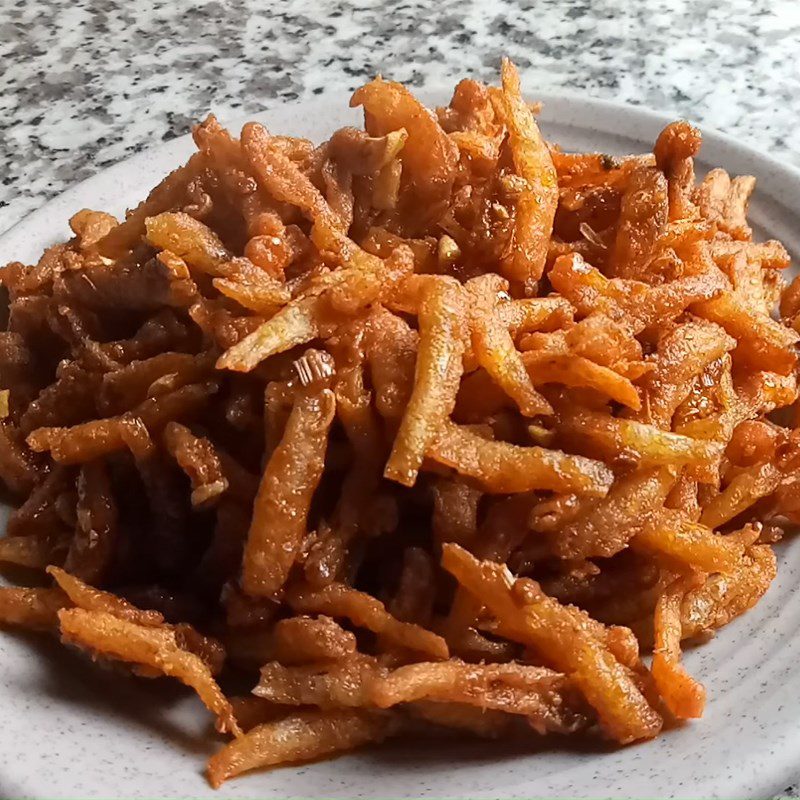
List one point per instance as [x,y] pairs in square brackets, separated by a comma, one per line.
[84,83]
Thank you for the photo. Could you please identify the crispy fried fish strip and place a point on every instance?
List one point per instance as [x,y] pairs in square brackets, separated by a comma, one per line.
[551,629]
[443,329]
[155,648]
[285,493]
[304,736]
[536,203]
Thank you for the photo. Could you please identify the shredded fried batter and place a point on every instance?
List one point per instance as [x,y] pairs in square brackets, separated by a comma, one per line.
[432,424]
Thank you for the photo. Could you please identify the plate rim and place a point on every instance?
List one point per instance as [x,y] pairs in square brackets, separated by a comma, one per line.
[550,98]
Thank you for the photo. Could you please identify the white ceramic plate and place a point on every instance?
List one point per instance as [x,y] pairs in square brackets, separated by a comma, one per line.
[70,730]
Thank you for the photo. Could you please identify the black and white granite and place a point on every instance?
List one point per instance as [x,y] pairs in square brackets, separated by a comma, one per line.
[84,83]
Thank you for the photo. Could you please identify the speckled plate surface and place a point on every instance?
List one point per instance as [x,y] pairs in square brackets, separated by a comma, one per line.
[71,730]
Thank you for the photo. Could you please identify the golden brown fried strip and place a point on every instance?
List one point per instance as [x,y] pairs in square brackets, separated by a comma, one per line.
[340,684]
[168,194]
[682,354]
[643,218]
[339,192]
[586,168]
[199,460]
[302,640]
[545,625]
[534,313]
[683,695]
[724,201]
[91,599]
[91,226]
[285,493]
[640,305]
[31,608]
[327,558]
[391,348]
[579,372]
[542,695]
[124,388]
[295,324]
[283,179]
[749,284]
[724,597]
[365,280]
[442,321]
[603,340]
[251,711]
[744,490]
[480,722]
[188,239]
[504,468]
[689,545]
[201,249]
[155,648]
[536,203]
[100,437]
[607,525]
[600,435]
[678,540]
[304,736]
[537,693]
[674,150]
[256,297]
[763,342]
[34,551]
[362,154]
[494,348]
[429,158]
[96,532]
[769,255]
[338,600]
[712,194]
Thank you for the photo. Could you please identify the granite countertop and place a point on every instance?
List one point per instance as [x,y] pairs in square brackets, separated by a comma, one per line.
[85,83]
